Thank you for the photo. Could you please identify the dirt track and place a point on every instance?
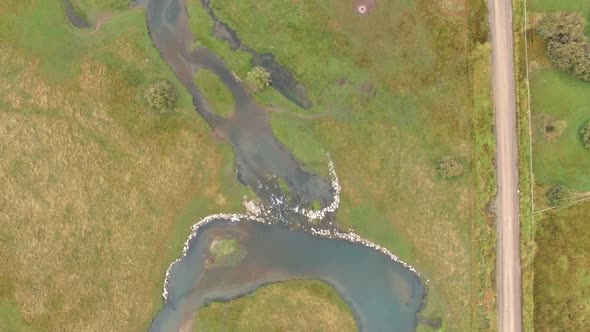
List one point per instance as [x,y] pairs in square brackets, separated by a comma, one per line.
[508,279]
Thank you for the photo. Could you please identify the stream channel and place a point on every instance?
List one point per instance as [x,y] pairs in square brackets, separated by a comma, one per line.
[280,242]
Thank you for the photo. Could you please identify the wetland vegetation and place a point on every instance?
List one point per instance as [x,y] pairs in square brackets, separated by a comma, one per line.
[392,92]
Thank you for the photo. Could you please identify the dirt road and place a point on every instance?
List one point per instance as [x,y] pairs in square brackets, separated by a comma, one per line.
[508,281]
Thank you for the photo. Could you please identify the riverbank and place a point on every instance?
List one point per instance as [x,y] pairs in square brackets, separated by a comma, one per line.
[97,182]
[261,214]
[397,108]
[547,95]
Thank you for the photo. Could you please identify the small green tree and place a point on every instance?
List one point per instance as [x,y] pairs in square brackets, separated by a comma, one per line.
[449,168]
[558,195]
[567,45]
[160,96]
[258,78]
[585,132]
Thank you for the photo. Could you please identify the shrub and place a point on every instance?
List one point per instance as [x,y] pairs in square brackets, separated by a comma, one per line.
[585,132]
[258,78]
[160,96]
[567,46]
[555,129]
[562,27]
[558,195]
[449,168]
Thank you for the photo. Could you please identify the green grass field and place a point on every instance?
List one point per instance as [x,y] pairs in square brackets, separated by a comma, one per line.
[289,306]
[219,96]
[558,273]
[562,272]
[392,93]
[558,96]
[551,5]
[98,190]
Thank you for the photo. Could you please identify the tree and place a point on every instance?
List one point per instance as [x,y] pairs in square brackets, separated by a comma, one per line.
[258,78]
[558,195]
[449,168]
[568,48]
[585,132]
[160,96]
[562,27]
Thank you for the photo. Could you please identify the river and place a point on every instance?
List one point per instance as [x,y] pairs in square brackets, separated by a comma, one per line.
[281,242]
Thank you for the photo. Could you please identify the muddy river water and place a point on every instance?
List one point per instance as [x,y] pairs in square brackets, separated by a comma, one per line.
[278,244]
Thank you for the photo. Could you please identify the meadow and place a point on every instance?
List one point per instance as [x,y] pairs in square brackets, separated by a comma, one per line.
[393,92]
[567,5]
[101,190]
[565,161]
[562,273]
[301,305]
[98,191]
[557,274]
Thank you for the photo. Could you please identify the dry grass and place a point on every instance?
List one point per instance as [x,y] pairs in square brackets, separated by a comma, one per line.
[94,185]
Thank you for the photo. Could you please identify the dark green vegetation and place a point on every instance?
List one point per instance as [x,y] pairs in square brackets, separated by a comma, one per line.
[558,195]
[218,95]
[225,252]
[585,133]
[449,168]
[258,78]
[567,46]
[561,276]
[98,191]
[393,92]
[160,96]
[289,306]
[562,272]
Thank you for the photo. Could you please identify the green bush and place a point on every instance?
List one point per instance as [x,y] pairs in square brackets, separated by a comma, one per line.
[567,46]
[585,132]
[558,195]
[160,96]
[449,168]
[258,78]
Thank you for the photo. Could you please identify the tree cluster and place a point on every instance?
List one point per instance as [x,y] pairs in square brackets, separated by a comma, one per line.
[160,96]
[258,78]
[567,46]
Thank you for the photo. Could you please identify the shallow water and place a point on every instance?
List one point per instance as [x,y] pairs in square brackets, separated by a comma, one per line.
[76,19]
[282,79]
[383,294]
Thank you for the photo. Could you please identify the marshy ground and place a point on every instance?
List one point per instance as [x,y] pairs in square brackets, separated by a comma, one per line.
[99,187]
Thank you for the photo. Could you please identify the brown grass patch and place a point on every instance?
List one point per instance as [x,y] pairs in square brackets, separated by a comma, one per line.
[90,203]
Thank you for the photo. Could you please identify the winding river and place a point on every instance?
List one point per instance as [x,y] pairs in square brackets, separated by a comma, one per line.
[281,236]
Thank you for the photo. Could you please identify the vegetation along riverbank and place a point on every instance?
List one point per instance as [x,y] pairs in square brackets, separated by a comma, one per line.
[419,110]
[102,188]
